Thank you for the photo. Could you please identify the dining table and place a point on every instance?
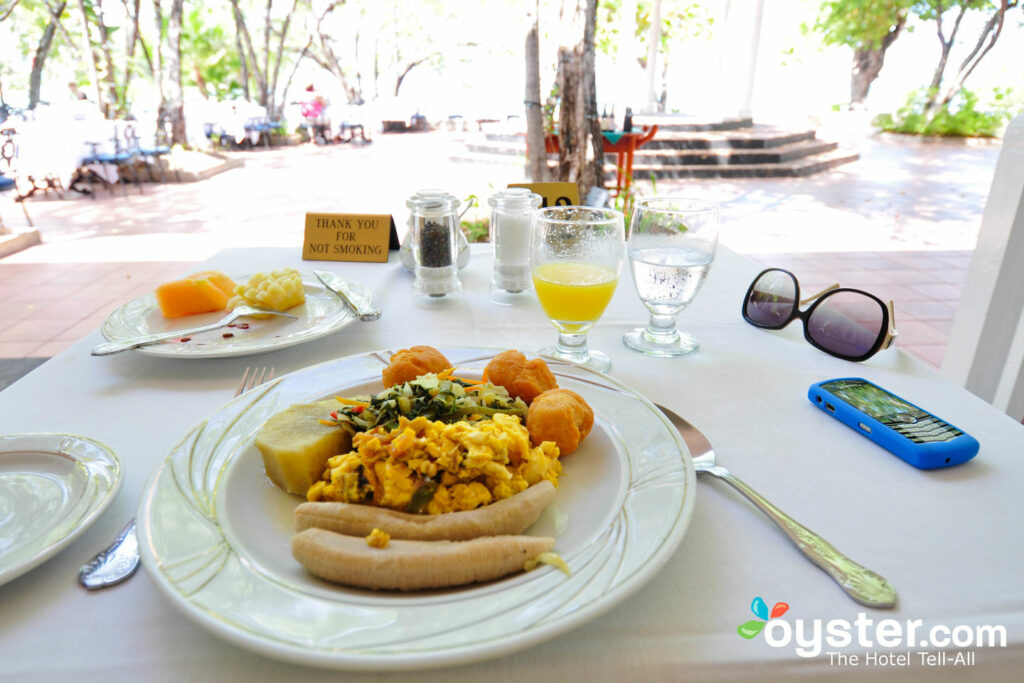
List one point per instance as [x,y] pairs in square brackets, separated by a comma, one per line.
[950,541]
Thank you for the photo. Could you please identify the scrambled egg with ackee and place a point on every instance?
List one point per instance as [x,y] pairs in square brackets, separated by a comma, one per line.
[433,467]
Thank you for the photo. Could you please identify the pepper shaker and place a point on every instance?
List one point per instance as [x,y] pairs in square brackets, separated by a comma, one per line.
[511,213]
[435,228]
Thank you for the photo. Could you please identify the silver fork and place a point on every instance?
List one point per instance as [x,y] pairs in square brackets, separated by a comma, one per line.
[120,560]
[239,312]
[258,377]
[860,583]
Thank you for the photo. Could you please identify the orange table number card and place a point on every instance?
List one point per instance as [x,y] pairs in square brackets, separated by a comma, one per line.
[349,237]
[554,194]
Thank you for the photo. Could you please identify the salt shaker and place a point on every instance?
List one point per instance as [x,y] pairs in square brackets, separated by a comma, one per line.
[435,228]
[511,213]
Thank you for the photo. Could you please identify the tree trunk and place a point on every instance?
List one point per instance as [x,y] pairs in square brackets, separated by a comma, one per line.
[868,62]
[572,150]
[39,59]
[243,63]
[578,123]
[291,75]
[265,94]
[329,61]
[175,97]
[986,41]
[537,158]
[115,101]
[272,105]
[159,74]
[947,46]
[131,41]
[92,59]
[249,53]
[163,116]
[593,173]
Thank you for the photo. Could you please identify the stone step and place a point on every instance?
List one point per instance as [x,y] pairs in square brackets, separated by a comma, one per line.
[670,122]
[469,157]
[517,138]
[756,137]
[503,148]
[732,156]
[753,137]
[798,167]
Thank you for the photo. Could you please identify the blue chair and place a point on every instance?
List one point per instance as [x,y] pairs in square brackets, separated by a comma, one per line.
[261,126]
[123,155]
[6,185]
[153,154]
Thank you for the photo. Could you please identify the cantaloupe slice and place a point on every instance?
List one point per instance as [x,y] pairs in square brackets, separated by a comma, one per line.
[219,279]
[199,293]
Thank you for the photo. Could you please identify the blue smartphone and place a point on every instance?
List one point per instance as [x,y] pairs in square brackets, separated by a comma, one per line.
[917,436]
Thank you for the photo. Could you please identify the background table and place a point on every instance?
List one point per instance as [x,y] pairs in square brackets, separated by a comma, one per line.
[623,145]
[951,541]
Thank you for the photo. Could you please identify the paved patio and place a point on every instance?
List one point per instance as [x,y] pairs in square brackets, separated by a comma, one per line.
[901,223]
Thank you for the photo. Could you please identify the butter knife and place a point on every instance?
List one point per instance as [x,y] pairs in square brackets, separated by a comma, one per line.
[113,565]
[357,297]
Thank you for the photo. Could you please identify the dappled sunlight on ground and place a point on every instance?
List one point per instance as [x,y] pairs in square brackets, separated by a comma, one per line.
[898,196]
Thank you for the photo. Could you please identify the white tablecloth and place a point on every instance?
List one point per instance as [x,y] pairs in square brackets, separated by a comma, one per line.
[951,541]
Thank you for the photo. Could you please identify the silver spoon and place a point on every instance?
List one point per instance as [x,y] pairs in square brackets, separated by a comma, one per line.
[860,583]
[240,312]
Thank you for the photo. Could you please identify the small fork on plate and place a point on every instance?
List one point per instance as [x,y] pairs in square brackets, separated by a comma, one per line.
[121,559]
[258,377]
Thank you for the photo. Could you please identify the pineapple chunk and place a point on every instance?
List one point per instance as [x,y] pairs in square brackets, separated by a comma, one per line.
[280,290]
[295,446]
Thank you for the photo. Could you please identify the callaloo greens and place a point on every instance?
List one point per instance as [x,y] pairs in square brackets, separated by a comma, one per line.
[435,398]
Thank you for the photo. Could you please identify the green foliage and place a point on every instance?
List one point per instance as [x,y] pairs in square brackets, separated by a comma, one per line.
[928,10]
[624,201]
[961,117]
[680,20]
[859,23]
[209,53]
[477,230]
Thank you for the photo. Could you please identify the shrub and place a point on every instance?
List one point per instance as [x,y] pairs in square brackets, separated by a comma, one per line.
[961,117]
[477,230]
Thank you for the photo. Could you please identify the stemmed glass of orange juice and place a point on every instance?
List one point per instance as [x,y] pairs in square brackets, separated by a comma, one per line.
[576,255]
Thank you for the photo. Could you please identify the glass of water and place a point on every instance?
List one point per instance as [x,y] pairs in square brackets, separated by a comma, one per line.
[672,243]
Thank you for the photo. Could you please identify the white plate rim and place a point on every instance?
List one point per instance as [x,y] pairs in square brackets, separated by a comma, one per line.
[354,661]
[106,459]
[342,316]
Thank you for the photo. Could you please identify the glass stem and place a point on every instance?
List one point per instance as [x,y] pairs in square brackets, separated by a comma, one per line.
[662,327]
[573,344]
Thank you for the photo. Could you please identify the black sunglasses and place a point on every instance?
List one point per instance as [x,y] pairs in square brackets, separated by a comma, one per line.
[846,323]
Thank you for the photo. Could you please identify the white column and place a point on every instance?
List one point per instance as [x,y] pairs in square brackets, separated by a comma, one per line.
[986,347]
[745,110]
[653,46]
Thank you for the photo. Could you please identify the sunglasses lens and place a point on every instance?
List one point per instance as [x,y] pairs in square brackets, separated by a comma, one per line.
[772,299]
[847,324]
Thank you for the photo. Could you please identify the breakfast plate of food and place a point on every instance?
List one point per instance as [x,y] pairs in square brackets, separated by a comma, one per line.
[52,488]
[428,507]
[203,298]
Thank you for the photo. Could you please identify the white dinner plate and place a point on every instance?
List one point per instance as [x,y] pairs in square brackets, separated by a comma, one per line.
[52,488]
[322,313]
[215,535]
